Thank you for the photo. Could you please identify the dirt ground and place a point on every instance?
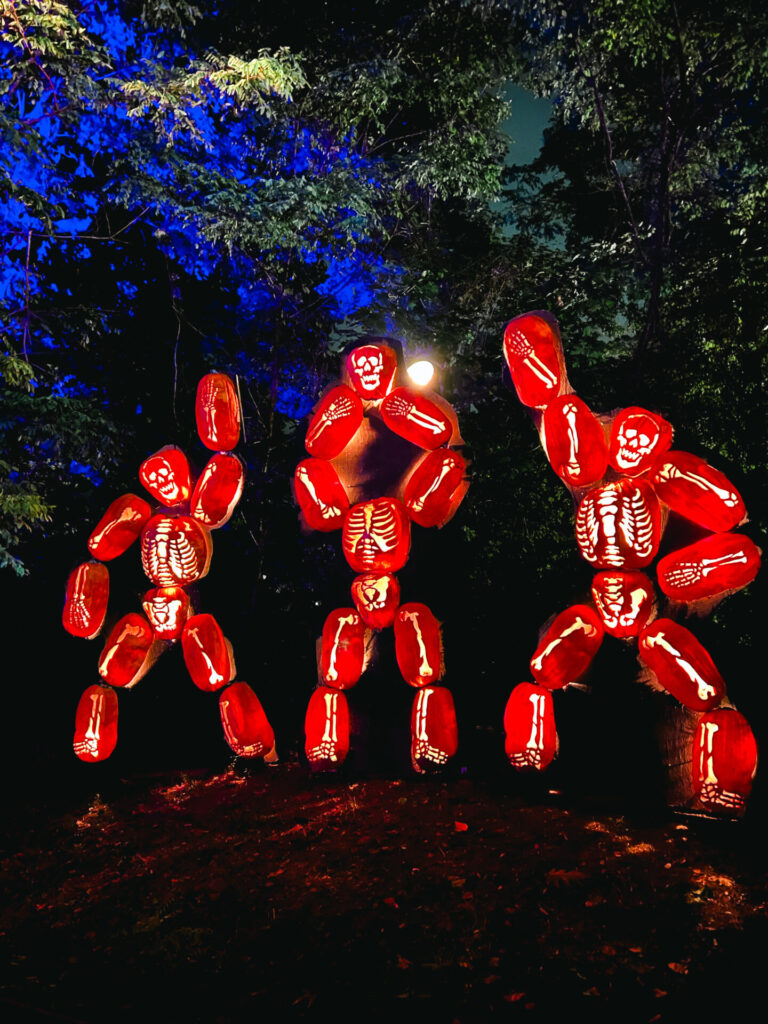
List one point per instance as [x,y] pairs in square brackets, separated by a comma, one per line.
[225,897]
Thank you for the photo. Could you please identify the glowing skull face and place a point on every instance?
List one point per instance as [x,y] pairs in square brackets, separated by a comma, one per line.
[166,476]
[637,438]
[371,370]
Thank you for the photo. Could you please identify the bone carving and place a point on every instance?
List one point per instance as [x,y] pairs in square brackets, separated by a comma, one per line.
[326,511]
[572,466]
[671,472]
[418,504]
[711,790]
[214,677]
[611,512]
[423,748]
[337,410]
[371,529]
[578,624]
[128,631]
[400,406]
[90,743]
[326,748]
[686,573]
[704,690]
[168,556]
[523,349]
[344,620]
[425,669]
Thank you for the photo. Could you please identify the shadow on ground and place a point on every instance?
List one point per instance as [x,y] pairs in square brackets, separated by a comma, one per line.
[225,897]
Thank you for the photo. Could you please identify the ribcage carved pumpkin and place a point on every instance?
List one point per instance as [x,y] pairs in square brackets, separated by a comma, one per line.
[175,551]
[377,536]
[618,525]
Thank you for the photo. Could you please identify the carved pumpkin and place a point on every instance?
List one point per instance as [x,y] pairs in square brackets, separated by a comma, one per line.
[320,494]
[218,491]
[334,423]
[167,609]
[376,597]
[86,600]
[418,644]
[175,550]
[682,666]
[207,653]
[246,728]
[119,527]
[126,653]
[574,441]
[434,489]
[714,565]
[638,437]
[724,761]
[371,370]
[96,724]
[434,735]
[566,650]
[217,412]
[618,525]
[413,416]
[698,491]
[343,648]
[529,725]
[624,601]
[534,355]
[166,476]
[377,536]
[326,728]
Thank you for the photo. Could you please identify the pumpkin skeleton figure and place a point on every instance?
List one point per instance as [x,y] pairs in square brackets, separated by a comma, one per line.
[175,553]
[381,457]
[625,482]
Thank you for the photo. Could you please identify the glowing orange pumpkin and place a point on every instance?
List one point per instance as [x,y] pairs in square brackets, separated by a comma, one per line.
[166,476]
[574,441]
[698,491]
[96,724]
[682,665]
[217,412]
[376,597]
[175,550]
[334,423]
[371,370]
[119,527]
[724,761]
[246,728]
[434,487]
[207,653]
[126,653]
[529,724]
[418,644]
[618,525]
[320,494]
[714,565]
[624,601]
[377,536]
[326,729]
[638,437]
[86,600]
[566,650]
[218,491]
[343,648]
[534,354]
[434,735]
[413,416]
[167,609]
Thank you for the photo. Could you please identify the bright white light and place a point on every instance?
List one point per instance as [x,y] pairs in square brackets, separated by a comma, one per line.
[421,372]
